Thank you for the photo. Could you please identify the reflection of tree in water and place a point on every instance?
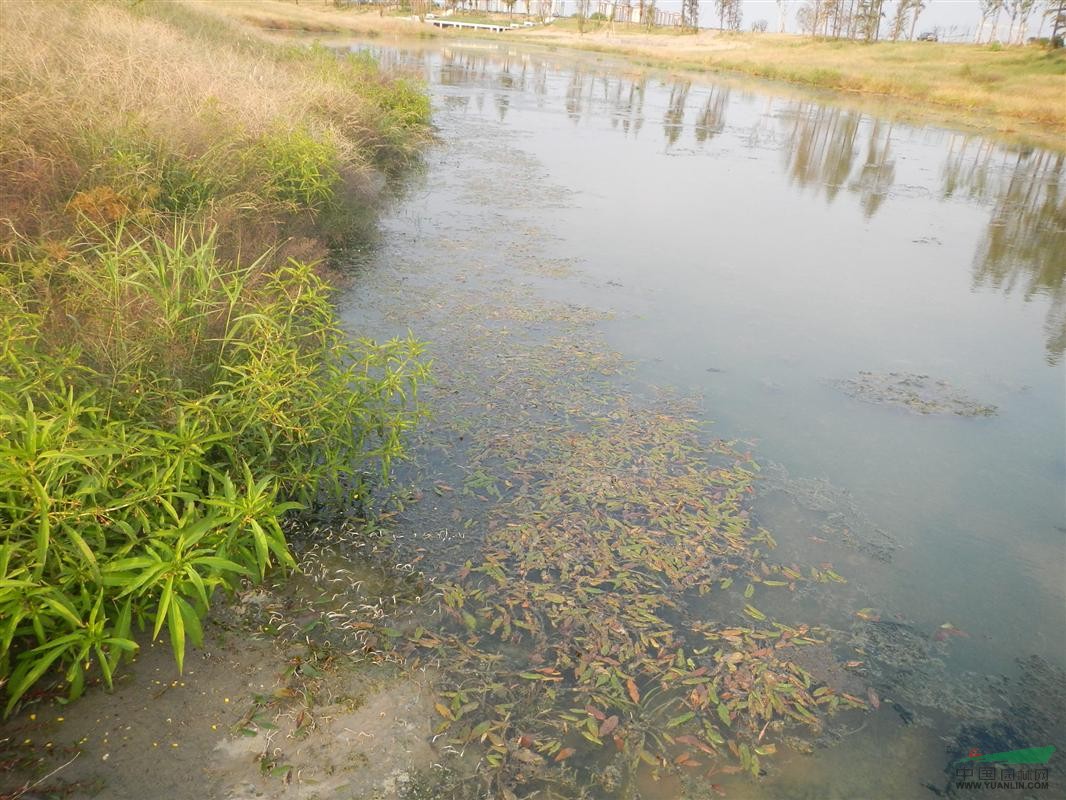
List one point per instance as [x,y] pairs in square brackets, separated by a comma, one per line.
[1025,242]
[575,95]
[540,82]
[506,79]
[460,68]
[878,172]
[762,133]
[674,118]
[970,169]
[820,147]
[711,120]
[627,104]
[509,82]
[503,102]
[829,149]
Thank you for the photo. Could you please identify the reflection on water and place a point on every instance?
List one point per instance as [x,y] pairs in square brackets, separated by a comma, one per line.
[820,147]
[628,104]
[825,152]
[674,118]
[1025,245]
[827,149]
[754,247]
[575,94]
[711,119]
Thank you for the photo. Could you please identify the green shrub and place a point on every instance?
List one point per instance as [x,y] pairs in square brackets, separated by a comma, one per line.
[185,186]
[152,463]
[300,170]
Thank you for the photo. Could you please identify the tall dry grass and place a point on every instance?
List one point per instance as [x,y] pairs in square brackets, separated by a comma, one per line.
[127,100]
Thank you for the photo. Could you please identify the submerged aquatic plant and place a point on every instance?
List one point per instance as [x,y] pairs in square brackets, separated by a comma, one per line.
[918,393]
[580,634]
[596,603]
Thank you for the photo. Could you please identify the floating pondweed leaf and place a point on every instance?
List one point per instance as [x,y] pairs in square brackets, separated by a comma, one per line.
[875,701]
[631,688]
[947,630]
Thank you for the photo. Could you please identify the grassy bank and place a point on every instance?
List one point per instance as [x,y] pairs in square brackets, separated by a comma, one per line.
[1002,87]
[1008,90]
[173,378]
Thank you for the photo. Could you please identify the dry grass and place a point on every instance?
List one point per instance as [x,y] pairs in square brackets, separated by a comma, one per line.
[104,99]
[289,16]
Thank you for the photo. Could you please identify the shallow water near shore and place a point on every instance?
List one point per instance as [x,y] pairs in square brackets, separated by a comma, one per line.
[874,310]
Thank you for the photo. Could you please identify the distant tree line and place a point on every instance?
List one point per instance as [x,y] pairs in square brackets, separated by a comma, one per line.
[871,20]
[867,20]
[730,14]
[1018,13]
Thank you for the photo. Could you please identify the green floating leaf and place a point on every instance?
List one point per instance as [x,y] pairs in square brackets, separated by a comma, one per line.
[723,714]
[680,719]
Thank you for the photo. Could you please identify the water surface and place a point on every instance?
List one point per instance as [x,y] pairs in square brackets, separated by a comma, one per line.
[753,251]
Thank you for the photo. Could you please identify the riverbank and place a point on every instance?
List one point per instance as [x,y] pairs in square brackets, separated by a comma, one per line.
[265,708]
[174,382]
[1013,91]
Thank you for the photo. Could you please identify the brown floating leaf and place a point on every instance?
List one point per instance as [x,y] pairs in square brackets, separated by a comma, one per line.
[565,753]
[444,711]
[634,693]
[852,698]
[608,725]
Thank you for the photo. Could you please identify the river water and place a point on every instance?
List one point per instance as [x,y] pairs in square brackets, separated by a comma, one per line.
[874,309]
